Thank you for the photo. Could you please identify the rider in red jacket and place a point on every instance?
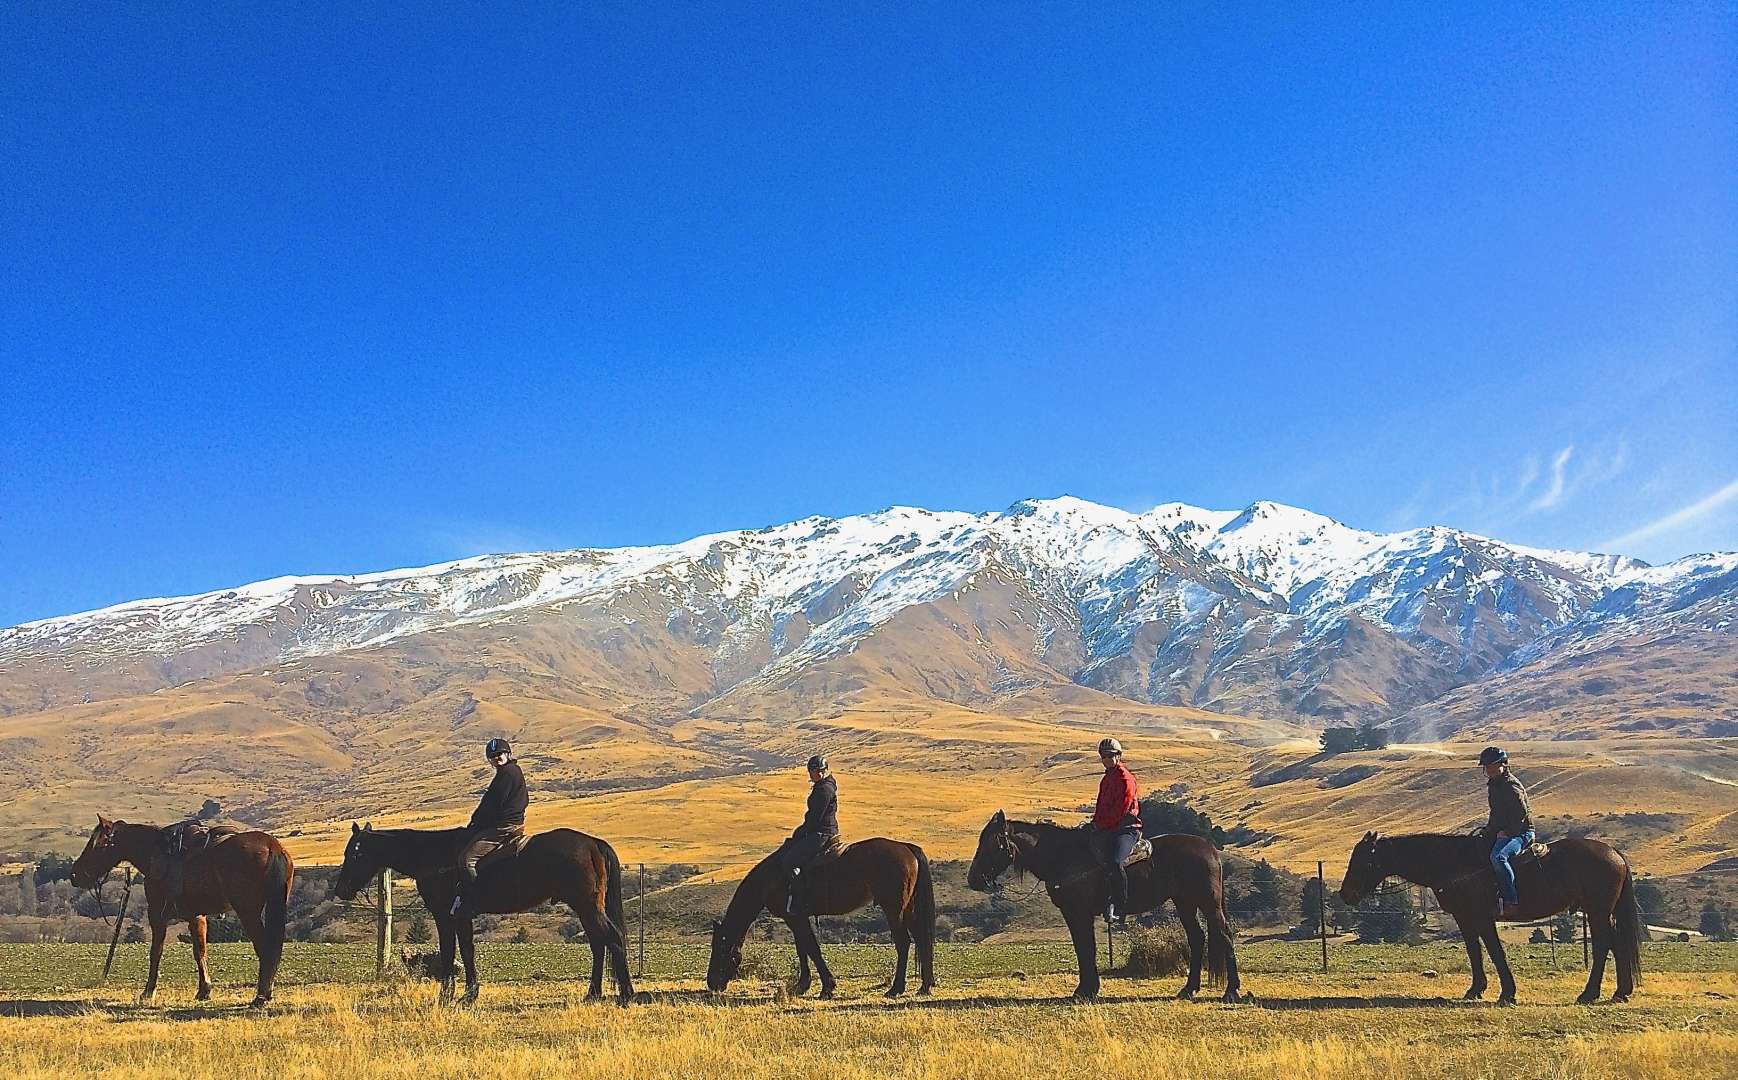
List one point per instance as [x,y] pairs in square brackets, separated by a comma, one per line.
[1116,824]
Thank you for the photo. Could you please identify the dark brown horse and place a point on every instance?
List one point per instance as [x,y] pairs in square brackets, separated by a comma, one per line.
[1183,869]
[245,872]
[1578,873]
[581,871]
[890,873]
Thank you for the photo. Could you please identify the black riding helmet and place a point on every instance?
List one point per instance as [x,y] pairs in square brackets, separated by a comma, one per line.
[818,763]
[1493,755]
[496,748]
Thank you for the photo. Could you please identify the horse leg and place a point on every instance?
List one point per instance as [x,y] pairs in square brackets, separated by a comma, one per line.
[1599,928]
[1197,949]
[801,986]
[468,952]
[1500,961]
[196,928]
[606,939]
[449,935]
[902,944]
[1083,932]
[595,990]
[1475,957]
[812,946]
[268,947]
[1218,928]
[159,929]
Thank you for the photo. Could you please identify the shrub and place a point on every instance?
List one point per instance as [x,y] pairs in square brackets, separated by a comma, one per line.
[1154,953]
[763,961]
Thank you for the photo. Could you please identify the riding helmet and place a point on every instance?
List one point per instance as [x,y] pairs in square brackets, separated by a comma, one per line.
[818,763]
[497,747]
[1110,746]
[1493,755]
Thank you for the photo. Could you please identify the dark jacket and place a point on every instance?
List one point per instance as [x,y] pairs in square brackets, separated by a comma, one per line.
[503,805]
[1510,814]
[822,818]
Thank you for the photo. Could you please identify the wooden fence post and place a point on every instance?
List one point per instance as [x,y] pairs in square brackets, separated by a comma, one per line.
[640,922]
[383,924]
[1322,912]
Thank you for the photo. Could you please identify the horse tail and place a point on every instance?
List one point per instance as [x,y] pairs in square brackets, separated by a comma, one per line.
[1627,924]
[274,913]
[612,900]
[1219,936]
[923,916]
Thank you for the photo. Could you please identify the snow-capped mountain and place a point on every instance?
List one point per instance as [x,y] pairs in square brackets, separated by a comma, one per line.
[1269,611]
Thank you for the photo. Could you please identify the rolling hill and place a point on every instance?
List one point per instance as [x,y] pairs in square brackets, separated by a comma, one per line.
[953,660]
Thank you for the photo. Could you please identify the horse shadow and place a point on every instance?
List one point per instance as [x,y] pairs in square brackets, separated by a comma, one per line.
[1322,1003]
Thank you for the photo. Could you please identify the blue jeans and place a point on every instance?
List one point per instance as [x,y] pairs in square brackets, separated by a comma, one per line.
[1500,856]
[1112,847]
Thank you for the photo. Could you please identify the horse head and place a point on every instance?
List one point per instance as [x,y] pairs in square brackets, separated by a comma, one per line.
[994,855]
[726,958]
[360,865]
[99,856]
[1365,870]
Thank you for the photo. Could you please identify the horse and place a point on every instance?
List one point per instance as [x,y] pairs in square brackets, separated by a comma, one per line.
[562,864]
[1577,873]
[245,872]
[1183,869]
[891,873]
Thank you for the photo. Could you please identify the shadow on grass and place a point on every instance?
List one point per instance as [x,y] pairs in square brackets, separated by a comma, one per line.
[1283,1004]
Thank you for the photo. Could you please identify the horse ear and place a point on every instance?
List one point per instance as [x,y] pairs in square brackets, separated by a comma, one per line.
[368,827]
[103,822]
[355,828]
[1001,815]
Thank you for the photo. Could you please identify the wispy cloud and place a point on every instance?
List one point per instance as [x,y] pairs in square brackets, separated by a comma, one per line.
[1554,494]
[1677,519]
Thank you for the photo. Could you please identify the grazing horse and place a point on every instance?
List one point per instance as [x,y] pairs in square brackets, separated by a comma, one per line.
[245,872]
[1578,873]
[1183,869]
[890,873]
[581,871]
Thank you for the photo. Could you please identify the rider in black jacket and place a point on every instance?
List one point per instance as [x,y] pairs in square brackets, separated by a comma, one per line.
[499,819]
[818,832]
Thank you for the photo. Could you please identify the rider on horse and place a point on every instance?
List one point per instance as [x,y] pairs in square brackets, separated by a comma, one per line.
[818,833]
[1116,824]
[498,820]
[1510,829]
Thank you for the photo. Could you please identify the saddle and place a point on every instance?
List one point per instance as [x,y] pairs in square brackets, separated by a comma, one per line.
[507,850]
[1531,853]
[180,841]
[1143,850]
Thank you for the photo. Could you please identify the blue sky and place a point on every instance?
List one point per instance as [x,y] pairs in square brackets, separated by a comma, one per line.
[340,291]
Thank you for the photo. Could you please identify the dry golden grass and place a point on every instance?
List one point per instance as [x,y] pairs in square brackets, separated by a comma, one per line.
[1680,1025]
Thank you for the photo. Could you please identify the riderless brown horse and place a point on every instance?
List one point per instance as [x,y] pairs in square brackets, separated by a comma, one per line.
[1183,869]
[1578,873]
[562,864]
[890,873]
[247,872]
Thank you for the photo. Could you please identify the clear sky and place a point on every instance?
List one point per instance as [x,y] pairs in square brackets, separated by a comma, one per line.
[334,291]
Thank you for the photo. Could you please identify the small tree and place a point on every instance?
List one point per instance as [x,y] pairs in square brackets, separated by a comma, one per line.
[1714,925]
[1339,740]
[209,810]
[27,893]
[1372,737]
[1651,899]
[1563,928]
[418,932]
[1388,916]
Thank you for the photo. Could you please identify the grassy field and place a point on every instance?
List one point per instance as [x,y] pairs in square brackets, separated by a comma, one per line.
[999,1012]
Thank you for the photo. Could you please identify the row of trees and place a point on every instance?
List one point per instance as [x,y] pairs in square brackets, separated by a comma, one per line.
[1344,740]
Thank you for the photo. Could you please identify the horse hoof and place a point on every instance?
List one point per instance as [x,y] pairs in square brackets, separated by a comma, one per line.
[1188,993]
[826,993]
[924,991]
[1587,999]
[1232,997]
[1619,998]
[1082,994]
[1507,1001]
[204,994]
[259,1003]
[895,991]
[1473,995]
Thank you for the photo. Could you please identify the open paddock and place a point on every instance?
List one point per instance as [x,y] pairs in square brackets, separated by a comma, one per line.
[1000,1011]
